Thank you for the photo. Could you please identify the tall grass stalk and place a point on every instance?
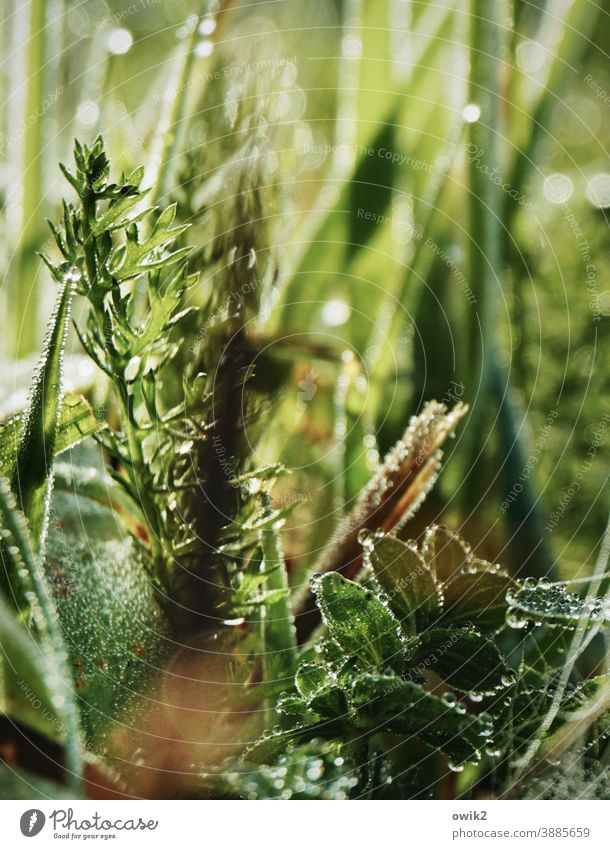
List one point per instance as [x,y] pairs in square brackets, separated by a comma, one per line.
[579,640]
[279,636]
[165,145]
[25,303]
[487,24]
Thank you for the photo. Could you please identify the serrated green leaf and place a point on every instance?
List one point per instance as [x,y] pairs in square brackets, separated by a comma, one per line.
[310,678]
[445,552]
[554,605]
[477,597]
[76,422]
[408,583]
[464,659]
[358,622]
[387,703]
[33,476]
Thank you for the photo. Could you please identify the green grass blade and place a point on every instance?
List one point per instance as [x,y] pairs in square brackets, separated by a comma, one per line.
[279,636]
[32,479]
[27,585]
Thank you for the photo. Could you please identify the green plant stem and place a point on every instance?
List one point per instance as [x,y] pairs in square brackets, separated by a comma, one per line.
[24,326]
[147,504]
[168,143]
[133,433]
[485,232]
[279,643]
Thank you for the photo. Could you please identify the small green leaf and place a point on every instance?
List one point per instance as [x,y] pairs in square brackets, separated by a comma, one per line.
[33,476]
[463,658]
[445,552]
[359,622]
[545,603]
[310,678]
[408,583]
[477,597]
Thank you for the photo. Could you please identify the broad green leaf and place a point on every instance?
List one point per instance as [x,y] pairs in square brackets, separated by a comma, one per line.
[321,693]
[387,703]
[477,596]
[408,583]
[30,682]
[76,422]
[358,622]
[310,678]
[445,552]
[329,701]
[463,658]
[552,604]
[114,628]
[33,476]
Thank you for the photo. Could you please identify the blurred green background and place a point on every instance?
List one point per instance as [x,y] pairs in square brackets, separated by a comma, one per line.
[436,190]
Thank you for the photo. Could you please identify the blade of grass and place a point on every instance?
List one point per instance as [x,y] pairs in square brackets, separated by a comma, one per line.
[279,635]
[435,29]
[33,477]
[28,583]
[25,303]
[171,124]
[570,41]
[576,648]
